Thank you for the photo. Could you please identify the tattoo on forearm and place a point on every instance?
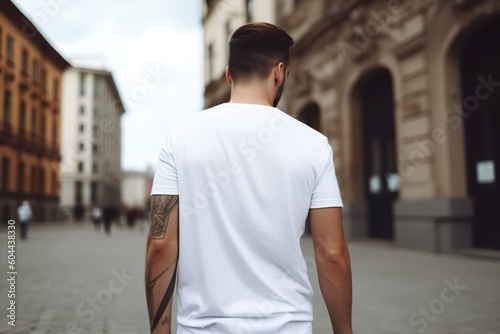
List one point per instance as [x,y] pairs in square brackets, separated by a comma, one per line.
[154,320]
[150,284]
[162,207]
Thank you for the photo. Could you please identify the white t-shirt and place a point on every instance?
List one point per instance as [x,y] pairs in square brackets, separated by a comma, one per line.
[246,176]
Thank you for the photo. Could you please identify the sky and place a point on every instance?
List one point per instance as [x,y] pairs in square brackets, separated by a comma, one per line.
[135,40]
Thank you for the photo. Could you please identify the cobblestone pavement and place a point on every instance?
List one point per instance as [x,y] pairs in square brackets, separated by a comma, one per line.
[73,279]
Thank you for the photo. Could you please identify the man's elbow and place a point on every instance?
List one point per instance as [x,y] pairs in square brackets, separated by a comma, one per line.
[335,258]
[162,249]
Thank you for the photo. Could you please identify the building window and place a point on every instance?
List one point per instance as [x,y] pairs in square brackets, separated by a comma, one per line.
[81,127]
[35,71]
[10,49]
[93,192]
[20,177]
[54,183]
[7,105]
[250,8]
[80,167]
[24,62]
[296,3]
[33,122]
[56,89]
[95,168]
[78,192]
[82,110]
[33,179]
[82,84]
[41,183]
[54,133]
[44,80]
[96,88]
[210,61]
[22,117]
[95,148]
[5,174]
[82,147]
[43,127]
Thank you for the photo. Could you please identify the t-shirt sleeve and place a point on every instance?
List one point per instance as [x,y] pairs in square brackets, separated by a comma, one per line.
[326,192]
[165,179]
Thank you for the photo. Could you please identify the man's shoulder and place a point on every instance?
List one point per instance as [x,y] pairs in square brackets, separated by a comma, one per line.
[189,122]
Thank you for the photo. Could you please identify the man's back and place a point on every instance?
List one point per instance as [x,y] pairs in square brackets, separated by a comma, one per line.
[246,176]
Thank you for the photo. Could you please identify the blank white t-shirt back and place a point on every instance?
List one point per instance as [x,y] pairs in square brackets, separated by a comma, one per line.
[246,176]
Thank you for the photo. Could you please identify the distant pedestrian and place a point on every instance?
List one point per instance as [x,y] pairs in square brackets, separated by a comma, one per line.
[107,217]
[97,217]
[25,215]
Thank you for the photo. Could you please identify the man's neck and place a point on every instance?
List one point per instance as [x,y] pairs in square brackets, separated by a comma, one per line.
[250,95]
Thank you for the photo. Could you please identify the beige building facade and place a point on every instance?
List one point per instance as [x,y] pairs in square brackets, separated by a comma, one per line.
[408,92]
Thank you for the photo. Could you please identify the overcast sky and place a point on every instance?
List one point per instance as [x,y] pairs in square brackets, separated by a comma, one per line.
[133,39]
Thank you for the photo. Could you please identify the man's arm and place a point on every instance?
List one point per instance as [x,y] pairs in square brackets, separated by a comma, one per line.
[334,266]
[162,252]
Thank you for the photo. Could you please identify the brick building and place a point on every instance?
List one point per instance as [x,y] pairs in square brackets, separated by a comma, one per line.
[30,95]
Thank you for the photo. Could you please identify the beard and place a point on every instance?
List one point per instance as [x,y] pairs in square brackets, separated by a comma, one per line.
[277,97]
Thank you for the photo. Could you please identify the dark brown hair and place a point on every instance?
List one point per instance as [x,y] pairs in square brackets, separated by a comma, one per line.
[255,48]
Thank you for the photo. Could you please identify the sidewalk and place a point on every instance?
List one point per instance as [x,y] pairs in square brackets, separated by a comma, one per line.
[73,279]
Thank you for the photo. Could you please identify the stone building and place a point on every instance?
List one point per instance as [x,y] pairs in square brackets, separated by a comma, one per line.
[408,92]
[90,142]
[30,97]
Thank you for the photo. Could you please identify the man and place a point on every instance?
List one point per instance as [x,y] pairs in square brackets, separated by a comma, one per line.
[25,214]
[230,198]
[96,217]
[107,215]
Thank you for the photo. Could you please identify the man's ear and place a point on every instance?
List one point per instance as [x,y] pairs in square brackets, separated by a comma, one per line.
[279,70]
[228,76]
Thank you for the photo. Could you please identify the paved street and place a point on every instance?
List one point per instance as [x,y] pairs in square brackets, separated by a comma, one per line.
[72,279]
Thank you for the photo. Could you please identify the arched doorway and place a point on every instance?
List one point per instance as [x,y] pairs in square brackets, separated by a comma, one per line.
[310,115]
[381,186]
[480,79]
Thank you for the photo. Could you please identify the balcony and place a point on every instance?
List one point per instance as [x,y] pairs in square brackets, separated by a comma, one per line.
[7,127]
[7,134]
[46,100]
[24,82]
[36,91]
[8,70]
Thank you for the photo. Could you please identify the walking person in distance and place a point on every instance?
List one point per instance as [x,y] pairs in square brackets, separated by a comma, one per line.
[25,214]
[232,191]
